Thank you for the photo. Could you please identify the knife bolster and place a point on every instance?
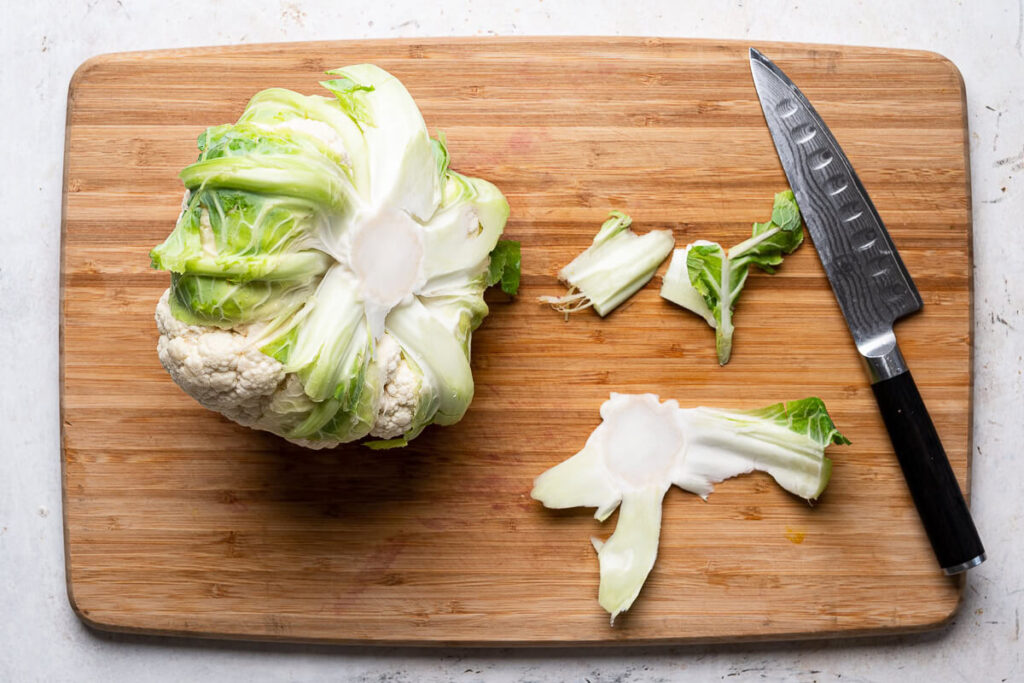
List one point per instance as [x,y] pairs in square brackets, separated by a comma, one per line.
[885,365]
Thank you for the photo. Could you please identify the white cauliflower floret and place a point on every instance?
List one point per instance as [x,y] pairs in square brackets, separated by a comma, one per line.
[401,394]
[225,372]
[218,368]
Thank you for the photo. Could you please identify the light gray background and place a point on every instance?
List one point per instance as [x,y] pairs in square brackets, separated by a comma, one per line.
[42,42]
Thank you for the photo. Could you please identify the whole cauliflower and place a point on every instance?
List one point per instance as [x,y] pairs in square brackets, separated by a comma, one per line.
[328,268]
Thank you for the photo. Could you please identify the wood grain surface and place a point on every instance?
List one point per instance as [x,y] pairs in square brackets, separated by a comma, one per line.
[180,522]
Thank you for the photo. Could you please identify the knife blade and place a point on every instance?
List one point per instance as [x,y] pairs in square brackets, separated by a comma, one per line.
[873,289]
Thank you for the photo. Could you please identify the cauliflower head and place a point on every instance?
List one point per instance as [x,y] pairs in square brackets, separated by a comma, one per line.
[328,268]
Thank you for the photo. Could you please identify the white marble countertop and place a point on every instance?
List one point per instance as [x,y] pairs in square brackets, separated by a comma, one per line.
[41,43]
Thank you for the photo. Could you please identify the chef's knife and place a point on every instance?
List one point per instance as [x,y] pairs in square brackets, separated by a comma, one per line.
[874,290]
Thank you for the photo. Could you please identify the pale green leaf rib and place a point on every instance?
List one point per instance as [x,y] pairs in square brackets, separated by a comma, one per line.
[613,225]
[786,440]
[580,481]
[275,174]
[628,556]
[269,267]
[613,268]
[460,237]
[353,98]
[403,164]
[332,344]
[677,288]
[438,354]
[277,105]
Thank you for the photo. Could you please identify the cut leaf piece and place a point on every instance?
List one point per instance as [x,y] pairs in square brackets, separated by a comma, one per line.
[676,287]
[580,481]
[786,440]
[612,269]
[628,556]
[643,446]
[707,280]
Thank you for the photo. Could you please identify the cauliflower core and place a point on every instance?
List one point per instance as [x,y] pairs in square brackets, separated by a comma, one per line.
[225,371]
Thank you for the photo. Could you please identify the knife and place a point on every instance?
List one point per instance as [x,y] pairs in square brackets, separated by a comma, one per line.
[874,290]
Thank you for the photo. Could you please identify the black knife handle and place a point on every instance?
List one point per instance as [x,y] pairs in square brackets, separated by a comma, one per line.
[930,478]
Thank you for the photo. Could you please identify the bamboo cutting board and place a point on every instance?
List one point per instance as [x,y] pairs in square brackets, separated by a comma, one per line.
[180,522]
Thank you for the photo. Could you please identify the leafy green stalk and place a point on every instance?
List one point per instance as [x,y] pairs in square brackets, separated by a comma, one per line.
[707,280]
[282,174]
[786,440]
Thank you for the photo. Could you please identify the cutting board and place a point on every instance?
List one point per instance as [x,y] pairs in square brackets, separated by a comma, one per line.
[178,521]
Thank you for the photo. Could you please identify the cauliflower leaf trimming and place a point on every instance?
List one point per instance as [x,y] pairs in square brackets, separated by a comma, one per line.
[707,280]
[613,268]
[643,446]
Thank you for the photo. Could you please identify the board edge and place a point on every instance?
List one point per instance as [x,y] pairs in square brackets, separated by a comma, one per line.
[943,621]
[641,40]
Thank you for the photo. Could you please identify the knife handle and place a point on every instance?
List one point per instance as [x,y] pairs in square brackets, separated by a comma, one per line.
[928,473]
